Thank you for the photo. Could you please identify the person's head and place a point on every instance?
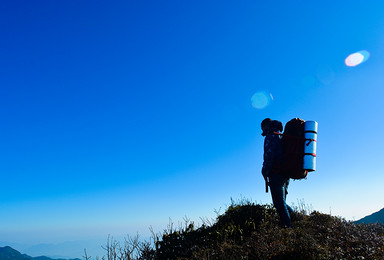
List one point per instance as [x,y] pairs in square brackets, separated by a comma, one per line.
[268,125]
[264,125]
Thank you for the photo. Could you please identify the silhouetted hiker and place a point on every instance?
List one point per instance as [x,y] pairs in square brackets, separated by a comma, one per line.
[273,156]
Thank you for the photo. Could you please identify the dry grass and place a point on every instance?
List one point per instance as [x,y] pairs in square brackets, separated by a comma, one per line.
[251,231]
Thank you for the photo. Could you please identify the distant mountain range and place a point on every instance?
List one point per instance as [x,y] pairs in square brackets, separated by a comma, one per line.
[377,217]
[8,253]
[62,250]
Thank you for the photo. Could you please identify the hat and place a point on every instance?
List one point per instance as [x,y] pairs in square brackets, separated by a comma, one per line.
[264,125]
[269,125]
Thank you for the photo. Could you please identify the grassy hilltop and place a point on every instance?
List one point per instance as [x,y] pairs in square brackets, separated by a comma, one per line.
[251,231]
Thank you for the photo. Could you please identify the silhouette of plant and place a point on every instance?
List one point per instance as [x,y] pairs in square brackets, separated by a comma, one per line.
[251,231]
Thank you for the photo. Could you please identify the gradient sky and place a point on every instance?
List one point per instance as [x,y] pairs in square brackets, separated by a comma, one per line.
[118,115]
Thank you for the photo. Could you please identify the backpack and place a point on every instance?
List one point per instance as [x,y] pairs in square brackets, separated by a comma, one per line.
[293,149]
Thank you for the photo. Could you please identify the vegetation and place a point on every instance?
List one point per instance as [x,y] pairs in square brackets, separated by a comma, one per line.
[250,231]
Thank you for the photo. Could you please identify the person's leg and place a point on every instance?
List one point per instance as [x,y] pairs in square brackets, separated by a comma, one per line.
[278,192]
[286,184]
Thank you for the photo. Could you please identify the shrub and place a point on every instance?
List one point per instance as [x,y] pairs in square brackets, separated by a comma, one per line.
[250,231]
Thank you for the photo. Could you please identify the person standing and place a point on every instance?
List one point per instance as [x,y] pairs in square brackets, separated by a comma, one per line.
[274,178]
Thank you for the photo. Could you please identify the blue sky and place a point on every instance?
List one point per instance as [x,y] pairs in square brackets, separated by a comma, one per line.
[120,115]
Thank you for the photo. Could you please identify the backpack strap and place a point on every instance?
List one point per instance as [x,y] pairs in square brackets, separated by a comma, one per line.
[310,141]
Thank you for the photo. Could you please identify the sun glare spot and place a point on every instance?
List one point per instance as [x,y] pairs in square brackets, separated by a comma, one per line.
[308,81]
[357,58]
[261,99]
[325,74]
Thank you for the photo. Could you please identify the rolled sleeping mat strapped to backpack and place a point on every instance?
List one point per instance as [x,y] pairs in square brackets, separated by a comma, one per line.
[310,135]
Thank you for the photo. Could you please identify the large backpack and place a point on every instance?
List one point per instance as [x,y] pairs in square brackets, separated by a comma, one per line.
[293,149]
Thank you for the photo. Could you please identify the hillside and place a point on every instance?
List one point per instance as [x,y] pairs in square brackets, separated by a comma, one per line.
[11,254]
[252,231]
[8,253]
[377,217]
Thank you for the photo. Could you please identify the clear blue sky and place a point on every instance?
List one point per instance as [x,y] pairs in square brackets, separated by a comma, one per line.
[118,115]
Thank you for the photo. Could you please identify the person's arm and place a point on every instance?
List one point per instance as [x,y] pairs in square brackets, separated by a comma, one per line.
[272,150]
[268,156]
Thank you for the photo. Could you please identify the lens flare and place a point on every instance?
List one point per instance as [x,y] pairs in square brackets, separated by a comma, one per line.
[357,58]
[261,99]
[325,74]
[308,81]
